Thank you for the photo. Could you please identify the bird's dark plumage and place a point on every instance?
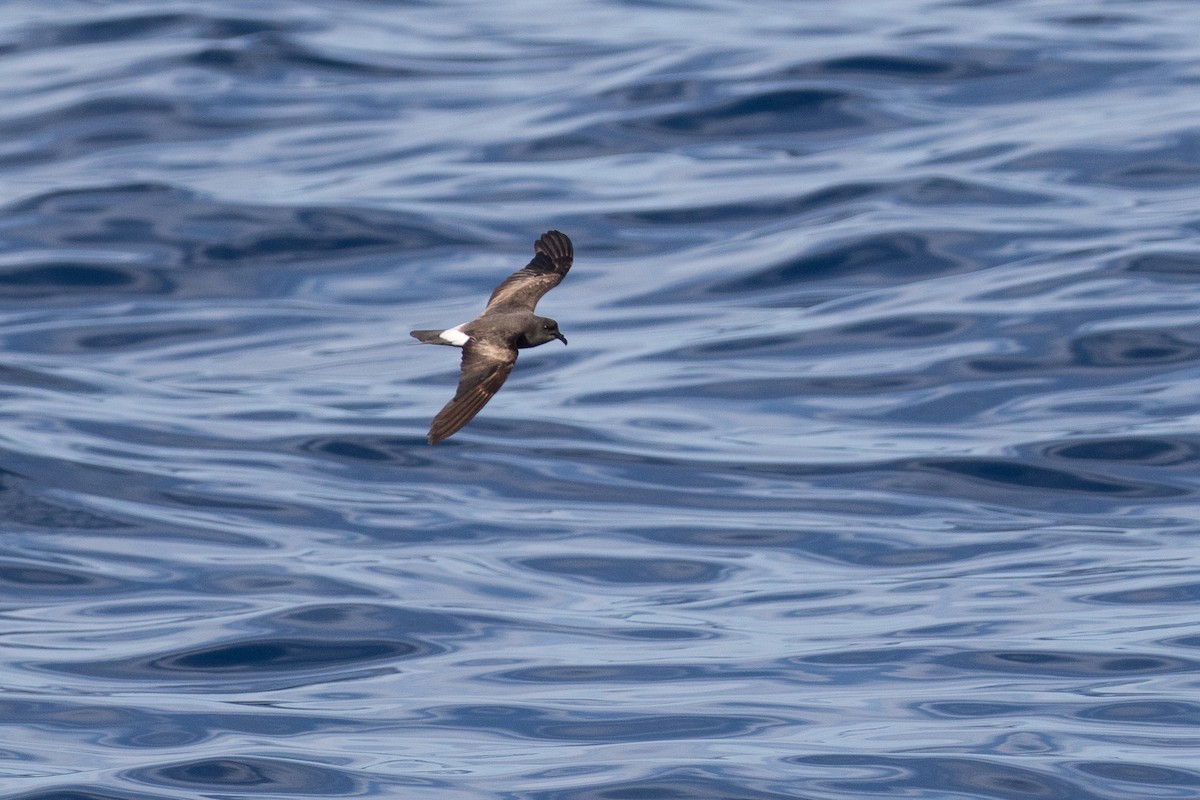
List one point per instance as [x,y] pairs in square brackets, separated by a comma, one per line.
[491,340]
[552,258]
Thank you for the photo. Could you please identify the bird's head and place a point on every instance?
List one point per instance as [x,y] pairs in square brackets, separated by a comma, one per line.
[550,328]
[545,329]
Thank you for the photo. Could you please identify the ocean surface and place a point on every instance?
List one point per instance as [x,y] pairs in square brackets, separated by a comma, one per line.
[871,469]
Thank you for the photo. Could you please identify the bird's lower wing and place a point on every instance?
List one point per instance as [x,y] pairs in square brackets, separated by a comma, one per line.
[484,369]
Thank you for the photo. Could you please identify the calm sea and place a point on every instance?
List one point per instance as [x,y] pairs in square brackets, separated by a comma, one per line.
[870,469]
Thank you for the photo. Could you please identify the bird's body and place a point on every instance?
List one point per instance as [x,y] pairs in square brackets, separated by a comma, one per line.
[491,340]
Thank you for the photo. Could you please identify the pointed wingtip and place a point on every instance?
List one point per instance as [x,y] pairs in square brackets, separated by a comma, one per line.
[557,245]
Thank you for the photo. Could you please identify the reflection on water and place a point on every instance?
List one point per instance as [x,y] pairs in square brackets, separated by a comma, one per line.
[870,468]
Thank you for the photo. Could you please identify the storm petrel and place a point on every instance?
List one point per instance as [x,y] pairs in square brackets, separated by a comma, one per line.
[490,341]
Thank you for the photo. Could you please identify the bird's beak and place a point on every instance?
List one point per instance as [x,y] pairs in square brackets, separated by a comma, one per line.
[560,337]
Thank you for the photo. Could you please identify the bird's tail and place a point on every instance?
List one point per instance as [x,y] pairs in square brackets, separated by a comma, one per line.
[428,337]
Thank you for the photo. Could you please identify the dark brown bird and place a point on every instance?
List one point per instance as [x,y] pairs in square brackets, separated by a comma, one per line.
[490,341]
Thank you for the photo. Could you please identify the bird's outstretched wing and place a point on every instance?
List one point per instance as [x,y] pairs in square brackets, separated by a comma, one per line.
[485,367]
[552,258]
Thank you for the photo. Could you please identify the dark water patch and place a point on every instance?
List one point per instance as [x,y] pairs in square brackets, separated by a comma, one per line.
[97,124]
[40,581]
[218,501]
[1150,595]
[1179,264]
[956,193]
[590,142]
[1145,712]
[965,405]
[547,726]
[752,210]
[914,775]
[374,451]
[1146,451]
[1015,366]
[1030,75]
[883,332]
[969,709]
[1143,774]
[905,328]
[261,660]
[968,155]
[659,634]
[323,641]
[384,452]
[617,674]
[1190,642]
[147,335]
[95,31]
[80,792]
[1018,474]
[303,234]
[268,776]
[743,346]
[42,380]
[342,447]
[234,581]
[1006,479]
[43,280]
[613,570]
[905,68]
[655,91]
[146,488]
[1172,166]
[785,110]
[786,387]
[869,260]
[639,480]
[274,655]
[867,660]
[789,112]
[791,598]
[1018,484]
[141,335]
[898,67]
[1066,664]
[1095,20]
[22,505]
[158,608]
[898,555]
[339,618]
[955,630]
[146,232]
[868,551]
[276,57]
[685,84]
[129,27]
[1135,348]
[677,783]
[125,726]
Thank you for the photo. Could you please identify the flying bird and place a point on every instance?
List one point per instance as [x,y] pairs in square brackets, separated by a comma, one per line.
[490,341]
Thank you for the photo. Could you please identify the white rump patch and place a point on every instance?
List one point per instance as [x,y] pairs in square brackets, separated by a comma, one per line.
[454,336]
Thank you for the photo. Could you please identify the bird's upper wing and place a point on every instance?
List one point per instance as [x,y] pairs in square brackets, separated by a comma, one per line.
[552,258]
[485,367]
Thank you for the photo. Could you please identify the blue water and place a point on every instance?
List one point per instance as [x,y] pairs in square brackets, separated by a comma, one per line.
[870,469]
